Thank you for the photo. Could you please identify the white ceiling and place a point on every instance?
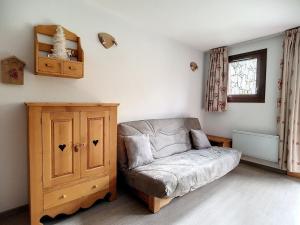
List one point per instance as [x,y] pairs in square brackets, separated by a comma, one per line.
[206,24]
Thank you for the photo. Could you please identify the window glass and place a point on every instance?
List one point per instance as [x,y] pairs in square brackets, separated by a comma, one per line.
[242,77]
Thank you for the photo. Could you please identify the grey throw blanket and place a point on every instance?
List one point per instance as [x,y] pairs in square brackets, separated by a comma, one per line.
[181,173]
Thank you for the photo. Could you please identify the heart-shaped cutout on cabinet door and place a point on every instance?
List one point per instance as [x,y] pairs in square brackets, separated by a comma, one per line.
[62,147]
[95,142]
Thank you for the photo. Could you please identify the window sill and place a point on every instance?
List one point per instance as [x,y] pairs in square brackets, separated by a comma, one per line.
[246,99]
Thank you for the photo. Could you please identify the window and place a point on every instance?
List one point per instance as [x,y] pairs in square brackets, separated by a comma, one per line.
[247,77]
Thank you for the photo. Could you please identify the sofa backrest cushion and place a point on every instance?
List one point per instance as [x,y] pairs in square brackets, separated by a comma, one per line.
[167,136]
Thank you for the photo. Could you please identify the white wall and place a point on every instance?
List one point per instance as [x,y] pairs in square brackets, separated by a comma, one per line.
[260,117]
[147,74]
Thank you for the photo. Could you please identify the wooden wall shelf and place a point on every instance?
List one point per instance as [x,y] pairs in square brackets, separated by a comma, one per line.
[47,66]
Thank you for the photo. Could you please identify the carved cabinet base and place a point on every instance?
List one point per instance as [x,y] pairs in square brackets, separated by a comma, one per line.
[72,156]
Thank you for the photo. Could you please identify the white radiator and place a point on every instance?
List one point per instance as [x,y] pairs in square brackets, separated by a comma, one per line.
[257,147]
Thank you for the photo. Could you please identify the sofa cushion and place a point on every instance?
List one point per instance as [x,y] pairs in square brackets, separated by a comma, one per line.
[167,136]
[199,139]
[138,150]
[181,173]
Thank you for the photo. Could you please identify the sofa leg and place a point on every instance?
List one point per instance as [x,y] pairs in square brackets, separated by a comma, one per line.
[153,204]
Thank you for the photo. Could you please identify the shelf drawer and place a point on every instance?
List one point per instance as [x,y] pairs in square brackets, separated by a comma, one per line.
[64,195]
[72,68]
[49,65]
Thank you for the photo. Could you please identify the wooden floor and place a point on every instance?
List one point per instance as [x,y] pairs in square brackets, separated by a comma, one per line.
[246,196]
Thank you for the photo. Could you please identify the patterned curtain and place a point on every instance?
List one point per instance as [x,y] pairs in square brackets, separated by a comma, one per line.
[289,103]
[216,87]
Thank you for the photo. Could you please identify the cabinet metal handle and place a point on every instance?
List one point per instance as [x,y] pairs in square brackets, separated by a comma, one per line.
[71,68]
[76,148]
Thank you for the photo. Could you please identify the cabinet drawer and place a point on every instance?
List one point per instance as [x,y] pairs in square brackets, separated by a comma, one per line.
[72,68]
[49,65]
[64,195]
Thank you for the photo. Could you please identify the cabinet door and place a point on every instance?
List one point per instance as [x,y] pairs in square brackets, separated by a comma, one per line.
[61,158]
[95,137]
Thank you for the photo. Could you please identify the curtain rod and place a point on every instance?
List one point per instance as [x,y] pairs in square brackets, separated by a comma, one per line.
[219,47]
[293,28]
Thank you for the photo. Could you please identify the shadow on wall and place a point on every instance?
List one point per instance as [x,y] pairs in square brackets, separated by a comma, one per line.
[13,154]
[13,133]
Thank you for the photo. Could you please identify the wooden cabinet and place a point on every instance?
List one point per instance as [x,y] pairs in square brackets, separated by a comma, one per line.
[72,156]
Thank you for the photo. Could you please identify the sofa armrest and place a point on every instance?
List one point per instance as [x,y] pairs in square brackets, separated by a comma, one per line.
[219,141]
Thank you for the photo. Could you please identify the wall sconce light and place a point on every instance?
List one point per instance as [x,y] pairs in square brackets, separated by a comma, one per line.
[193,66]
[107,40]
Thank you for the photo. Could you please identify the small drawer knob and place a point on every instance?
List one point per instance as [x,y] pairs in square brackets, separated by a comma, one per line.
[94,186]
[63,196]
